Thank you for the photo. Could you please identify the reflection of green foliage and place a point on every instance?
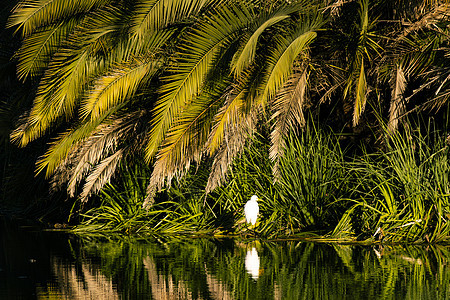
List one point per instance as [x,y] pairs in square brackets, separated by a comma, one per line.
[213,269]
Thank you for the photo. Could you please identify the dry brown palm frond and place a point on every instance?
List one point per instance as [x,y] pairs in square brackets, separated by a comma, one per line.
[101,175]
[82,157]
[397,107]
[287,113]
[429,20]
[232,145]
[87,153]
[95,149]
[229,133]
[335,7]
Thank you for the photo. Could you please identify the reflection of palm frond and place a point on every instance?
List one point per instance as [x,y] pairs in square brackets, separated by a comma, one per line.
[165,288]
[82,283]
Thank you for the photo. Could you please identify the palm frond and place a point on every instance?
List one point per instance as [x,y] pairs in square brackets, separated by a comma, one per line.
[31,15]
[153,15]
[397,107]
[101,175]
[283,56]
[94,149]
[63,83]
[120,84]
[56,97]
[60,148]
[438,13]
[38,47]
[200,48]
[233,143]
[232,127]
[360,100]
[245,57]
[230,113]
[287,113]
[186,138]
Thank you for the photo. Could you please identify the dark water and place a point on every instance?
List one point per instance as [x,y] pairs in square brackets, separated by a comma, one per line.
[52,265]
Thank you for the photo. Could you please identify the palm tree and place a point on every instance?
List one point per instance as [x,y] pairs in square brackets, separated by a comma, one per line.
[178,81]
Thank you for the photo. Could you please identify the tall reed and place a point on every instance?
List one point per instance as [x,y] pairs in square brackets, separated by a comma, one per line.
[403,191]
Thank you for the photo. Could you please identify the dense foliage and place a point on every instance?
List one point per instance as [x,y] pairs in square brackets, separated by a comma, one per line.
[226,93]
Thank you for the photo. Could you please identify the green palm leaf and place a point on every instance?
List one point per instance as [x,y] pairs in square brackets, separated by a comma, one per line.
[186,138]
[114,88]
[246,56]
[63,145]
[153,15]
[34,14]
[38,47]
[199,51]
[282,58]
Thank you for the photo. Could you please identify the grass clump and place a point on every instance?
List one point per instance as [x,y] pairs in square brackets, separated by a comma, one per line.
[398,193]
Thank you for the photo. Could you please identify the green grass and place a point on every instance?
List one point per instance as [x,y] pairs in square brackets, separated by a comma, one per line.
[400,191]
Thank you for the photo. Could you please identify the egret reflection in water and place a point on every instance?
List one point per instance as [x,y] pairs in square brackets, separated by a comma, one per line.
[252,263]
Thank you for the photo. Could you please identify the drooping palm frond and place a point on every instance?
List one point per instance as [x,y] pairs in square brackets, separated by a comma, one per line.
[101,175]
[90,152]
[36,49]
[281,59]
[114,88]
[187,137]
[30,15]
[245,57]
[55,98]
[230,113]
[199,51]
[153,15]
[287,113]
[60,149]
[228,136]
[66,77]
[397,107]
[232,145]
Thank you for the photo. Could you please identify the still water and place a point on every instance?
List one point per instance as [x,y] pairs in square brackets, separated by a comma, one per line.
[54,265]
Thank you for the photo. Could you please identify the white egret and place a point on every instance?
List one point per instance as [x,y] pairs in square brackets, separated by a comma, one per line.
[251,210]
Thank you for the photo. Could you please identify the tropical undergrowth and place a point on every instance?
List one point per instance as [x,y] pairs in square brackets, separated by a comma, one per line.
[398,192]
[119,208]
[402,193]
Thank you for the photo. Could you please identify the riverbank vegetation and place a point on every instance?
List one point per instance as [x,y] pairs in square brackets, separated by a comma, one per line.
[166,116]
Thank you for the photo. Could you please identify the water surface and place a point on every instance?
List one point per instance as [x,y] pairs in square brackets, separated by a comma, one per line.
[54,265]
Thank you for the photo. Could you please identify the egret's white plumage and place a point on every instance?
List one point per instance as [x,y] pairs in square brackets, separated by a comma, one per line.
[251,210]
